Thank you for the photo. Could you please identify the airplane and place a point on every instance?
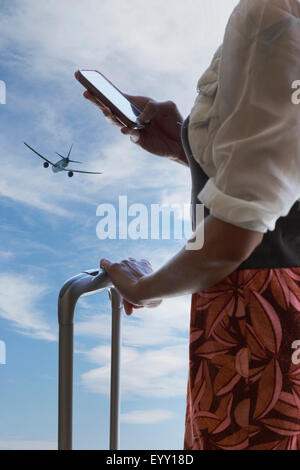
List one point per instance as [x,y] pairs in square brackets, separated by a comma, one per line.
[62,165]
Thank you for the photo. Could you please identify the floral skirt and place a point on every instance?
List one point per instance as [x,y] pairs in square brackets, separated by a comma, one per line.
[243,388]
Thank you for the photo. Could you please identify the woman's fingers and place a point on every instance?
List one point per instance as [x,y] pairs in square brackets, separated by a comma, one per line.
[128,307]
[93,99]
[89,96]
[106,111]
[134,134]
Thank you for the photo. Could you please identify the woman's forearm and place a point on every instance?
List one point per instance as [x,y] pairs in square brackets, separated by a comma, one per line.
[194,270]
[185,273]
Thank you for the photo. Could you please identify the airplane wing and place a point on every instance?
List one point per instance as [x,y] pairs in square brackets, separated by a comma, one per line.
[80,171]
[44,158]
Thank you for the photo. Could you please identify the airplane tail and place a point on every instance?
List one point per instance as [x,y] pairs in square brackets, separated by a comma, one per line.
[67,158]
[70,153]
[74,161]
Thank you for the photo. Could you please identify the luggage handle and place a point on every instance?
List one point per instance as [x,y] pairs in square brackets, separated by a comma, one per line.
[87,282]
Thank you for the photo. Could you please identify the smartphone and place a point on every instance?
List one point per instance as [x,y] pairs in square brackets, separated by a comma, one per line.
[125,111]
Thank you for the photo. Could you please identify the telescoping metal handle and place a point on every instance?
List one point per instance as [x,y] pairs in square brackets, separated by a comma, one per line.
[89,281]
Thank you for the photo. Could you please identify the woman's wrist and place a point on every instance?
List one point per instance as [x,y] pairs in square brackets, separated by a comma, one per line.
[143,291]
[181,158]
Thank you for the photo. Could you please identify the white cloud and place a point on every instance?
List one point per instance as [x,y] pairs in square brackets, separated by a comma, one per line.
[25,181]
[14,443]
[113,35]
[17,186]
[152,373]
[147,416]
[154,355]
[6,255]
[108,32]
[19,296]
[165,324]
[124,40]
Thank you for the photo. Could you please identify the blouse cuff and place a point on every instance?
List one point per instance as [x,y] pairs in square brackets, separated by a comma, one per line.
[251,215]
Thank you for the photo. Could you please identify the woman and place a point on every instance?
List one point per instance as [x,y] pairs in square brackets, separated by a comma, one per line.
[241,142]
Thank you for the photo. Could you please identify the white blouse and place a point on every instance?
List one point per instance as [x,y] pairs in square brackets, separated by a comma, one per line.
[244,127]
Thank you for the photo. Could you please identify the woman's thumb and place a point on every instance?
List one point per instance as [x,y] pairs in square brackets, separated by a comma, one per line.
[148,112]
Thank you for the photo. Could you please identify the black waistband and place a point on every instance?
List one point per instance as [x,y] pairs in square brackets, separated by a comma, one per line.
[280,248]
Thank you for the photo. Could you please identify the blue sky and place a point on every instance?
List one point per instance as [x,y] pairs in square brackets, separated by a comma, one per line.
[48,222]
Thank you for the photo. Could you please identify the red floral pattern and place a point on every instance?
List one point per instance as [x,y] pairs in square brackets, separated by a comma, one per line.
[243,388]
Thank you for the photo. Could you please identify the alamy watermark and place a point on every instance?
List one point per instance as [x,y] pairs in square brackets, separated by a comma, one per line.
[296,93]
[154,224]
[2,352]
[296,354]
[2,92]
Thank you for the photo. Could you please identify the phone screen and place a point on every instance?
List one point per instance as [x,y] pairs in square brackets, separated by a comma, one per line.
[112,94]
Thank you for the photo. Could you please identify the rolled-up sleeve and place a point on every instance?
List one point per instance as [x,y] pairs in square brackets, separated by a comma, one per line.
[256,150]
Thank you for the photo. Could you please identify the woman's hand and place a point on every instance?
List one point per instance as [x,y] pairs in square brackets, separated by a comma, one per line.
[162,136]
[124,276]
